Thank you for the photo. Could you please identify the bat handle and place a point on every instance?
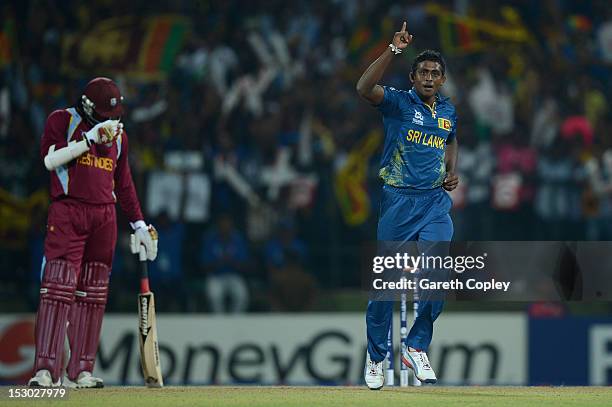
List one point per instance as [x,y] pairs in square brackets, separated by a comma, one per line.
[142,253]
[144,271]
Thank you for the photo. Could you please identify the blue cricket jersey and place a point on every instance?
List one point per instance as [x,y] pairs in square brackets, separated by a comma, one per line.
[415,139]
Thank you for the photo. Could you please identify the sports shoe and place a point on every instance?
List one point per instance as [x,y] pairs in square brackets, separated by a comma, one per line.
[419,363]
[374,374]
[85,380]
[43,378]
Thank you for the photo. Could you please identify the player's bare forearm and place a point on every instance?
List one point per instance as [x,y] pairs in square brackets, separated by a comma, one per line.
[450,160]
[450,155]
[367,86]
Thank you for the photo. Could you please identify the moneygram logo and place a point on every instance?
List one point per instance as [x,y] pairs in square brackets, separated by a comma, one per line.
[17,352]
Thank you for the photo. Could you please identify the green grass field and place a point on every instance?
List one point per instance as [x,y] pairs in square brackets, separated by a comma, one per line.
[334,396]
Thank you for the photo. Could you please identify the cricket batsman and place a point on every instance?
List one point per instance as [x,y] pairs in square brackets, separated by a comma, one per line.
[85,150]
[417,168]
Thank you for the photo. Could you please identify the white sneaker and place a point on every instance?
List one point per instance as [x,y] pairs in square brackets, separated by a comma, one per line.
[419,363]
[43,378]
[374,373]
[85,380]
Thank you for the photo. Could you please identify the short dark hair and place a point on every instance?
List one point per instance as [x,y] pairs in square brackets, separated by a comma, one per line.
[428,55]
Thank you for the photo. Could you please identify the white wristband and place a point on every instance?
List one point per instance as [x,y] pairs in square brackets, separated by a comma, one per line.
[395,49]
[138,224]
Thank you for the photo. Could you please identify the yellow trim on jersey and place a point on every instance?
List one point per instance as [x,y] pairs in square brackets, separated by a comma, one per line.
[432,108]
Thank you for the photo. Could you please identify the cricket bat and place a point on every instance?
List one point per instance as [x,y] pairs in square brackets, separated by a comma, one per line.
[147,328]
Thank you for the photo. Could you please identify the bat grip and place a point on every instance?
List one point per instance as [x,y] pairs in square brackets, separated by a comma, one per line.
[144,271]
[142,253]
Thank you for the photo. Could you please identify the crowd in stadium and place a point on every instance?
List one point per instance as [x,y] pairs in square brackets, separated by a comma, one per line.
[257,161]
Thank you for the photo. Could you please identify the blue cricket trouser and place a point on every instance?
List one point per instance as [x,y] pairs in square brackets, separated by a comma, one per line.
[406,215]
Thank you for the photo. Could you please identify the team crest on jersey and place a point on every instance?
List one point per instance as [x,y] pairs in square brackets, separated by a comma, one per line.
[444,124]
[418,118]
[113,102]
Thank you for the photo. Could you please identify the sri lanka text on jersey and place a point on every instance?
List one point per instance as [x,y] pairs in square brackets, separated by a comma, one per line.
[431,140]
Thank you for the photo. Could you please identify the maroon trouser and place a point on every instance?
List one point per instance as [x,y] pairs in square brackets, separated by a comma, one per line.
[79,250]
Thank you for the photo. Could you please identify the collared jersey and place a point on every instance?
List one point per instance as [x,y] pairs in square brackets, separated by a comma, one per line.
[100,176]
[415,139]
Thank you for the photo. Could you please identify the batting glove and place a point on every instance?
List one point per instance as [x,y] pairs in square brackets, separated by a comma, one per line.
[105,132]
[144,236]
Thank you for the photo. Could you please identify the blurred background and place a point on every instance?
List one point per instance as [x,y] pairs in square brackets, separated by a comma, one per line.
[257,162]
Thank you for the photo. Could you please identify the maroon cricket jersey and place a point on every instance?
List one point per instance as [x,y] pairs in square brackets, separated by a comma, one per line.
[99,176]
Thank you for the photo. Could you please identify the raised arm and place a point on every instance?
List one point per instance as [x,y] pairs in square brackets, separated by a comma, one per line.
[367,86]
[64,151]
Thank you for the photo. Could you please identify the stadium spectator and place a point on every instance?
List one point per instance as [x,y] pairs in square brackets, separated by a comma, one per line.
[292,287]
[167,275]
[224,260]
[284,247]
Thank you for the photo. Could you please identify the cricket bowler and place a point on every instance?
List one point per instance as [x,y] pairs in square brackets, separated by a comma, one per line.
[417,168]
[85,150]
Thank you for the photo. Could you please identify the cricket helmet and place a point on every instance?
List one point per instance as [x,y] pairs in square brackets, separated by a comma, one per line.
[102,100]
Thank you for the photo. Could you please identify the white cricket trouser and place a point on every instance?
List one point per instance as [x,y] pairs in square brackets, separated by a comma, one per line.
[218,287]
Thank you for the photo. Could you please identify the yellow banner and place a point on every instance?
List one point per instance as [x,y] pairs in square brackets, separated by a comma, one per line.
[16,215]
[461,34]
[350,183]
[144,47]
